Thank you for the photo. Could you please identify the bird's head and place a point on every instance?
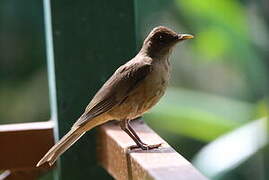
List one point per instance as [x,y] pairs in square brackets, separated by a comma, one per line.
[161,40]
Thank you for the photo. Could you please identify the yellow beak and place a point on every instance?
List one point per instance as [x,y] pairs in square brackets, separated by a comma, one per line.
[185,36]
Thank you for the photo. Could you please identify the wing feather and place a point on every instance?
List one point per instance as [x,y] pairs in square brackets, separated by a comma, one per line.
[115,90]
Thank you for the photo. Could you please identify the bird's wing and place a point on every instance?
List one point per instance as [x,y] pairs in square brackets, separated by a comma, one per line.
[115,90]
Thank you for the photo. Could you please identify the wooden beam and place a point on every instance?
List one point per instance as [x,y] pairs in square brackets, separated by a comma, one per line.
[163,163]
[22,145]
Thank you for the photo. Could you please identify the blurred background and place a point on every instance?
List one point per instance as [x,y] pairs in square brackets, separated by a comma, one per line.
[23,79]
[215,110]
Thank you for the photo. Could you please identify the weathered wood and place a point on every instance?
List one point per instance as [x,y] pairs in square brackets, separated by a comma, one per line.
[22,145]
[163,163]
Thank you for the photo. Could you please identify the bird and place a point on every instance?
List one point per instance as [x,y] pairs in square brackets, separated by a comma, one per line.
[133,89]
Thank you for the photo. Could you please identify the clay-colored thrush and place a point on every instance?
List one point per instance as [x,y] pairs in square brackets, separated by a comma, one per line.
[131,91]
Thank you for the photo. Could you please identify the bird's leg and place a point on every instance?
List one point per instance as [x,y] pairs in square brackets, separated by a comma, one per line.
[125,126]
[146,146]
[133,131]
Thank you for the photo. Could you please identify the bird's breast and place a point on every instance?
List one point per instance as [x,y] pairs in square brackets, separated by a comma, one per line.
[147,94]
[155,84]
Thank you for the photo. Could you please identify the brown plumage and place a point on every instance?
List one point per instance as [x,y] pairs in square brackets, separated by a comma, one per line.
[131,91]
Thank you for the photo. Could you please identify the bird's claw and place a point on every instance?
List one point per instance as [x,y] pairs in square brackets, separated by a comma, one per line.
[145,146]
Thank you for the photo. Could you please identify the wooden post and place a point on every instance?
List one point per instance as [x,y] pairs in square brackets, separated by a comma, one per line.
[90,40]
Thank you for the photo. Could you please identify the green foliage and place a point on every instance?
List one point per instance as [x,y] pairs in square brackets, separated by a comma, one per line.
[198,115]
[224,32]
[218,24]
[220,157]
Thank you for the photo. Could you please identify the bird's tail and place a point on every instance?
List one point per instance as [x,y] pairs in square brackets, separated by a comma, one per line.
[60,147]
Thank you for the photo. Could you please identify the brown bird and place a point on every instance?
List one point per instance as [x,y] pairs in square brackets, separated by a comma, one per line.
[131,91]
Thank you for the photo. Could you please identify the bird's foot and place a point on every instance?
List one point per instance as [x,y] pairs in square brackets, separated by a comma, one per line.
[145,146]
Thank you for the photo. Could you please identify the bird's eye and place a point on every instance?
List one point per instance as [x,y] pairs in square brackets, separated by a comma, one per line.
[160,38]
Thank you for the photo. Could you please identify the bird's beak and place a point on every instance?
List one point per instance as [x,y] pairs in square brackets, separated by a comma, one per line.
[185,36]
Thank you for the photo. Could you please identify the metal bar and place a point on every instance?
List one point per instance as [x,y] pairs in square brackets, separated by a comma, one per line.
[163,163]
[90,40]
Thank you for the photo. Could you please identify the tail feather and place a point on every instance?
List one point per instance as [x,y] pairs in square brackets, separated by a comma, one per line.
[69,139]
[59,148]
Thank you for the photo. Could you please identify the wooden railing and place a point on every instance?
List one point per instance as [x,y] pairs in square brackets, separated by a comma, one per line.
[163,163]
[25,144]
